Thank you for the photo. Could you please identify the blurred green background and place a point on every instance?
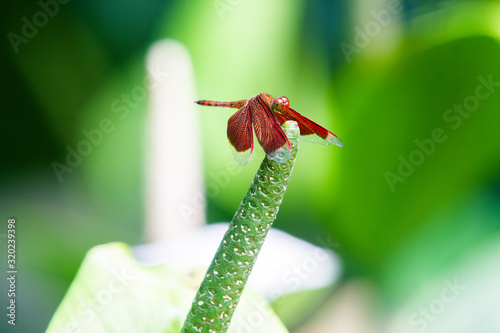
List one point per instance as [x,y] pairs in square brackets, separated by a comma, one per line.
[413,194]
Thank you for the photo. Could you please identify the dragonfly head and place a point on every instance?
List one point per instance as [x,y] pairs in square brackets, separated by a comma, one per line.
[281,104]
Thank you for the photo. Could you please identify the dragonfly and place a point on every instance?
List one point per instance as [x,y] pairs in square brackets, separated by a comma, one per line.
[264,115]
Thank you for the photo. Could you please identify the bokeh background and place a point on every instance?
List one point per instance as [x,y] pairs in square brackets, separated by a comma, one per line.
[410,203]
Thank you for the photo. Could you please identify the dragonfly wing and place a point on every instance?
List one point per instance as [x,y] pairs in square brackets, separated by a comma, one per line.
[312,131]
[240,135]
[269,132]
[282,154]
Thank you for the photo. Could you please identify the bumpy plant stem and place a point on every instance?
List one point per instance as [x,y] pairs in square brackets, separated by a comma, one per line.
[220,291]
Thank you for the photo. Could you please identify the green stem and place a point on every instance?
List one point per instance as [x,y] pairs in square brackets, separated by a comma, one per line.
[220,291]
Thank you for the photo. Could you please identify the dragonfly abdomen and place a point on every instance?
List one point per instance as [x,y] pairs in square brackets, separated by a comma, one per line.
[235,104]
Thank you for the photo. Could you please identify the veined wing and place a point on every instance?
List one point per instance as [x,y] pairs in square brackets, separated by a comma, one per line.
[309,130]
[240,135]
[268,130]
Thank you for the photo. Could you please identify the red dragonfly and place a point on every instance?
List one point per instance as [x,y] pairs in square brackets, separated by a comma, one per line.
[265,115]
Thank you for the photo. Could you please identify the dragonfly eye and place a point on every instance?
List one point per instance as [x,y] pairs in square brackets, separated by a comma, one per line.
[281,104]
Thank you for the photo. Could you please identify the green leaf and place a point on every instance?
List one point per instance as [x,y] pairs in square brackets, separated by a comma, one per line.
[395,108]
[114,293]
